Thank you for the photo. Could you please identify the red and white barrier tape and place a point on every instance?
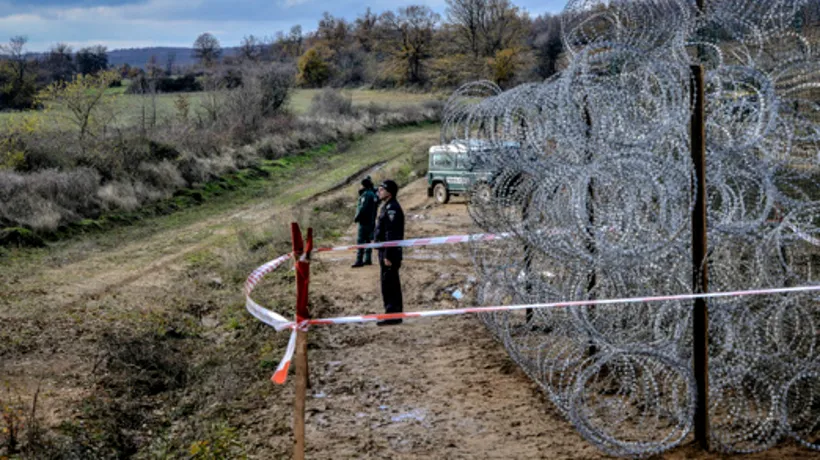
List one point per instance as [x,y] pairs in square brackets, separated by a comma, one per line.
[280,323]
[436,240]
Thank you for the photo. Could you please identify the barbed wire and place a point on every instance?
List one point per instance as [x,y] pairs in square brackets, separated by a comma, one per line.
[592,174]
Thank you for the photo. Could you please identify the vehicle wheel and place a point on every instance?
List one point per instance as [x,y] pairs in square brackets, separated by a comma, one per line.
[441,193]
[481,193]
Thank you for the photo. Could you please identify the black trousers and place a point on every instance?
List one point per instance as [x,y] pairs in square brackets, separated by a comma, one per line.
[364,236]
[391,287]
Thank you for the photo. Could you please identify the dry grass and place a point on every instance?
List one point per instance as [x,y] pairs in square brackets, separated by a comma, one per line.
[166,363]
[129,106]
[126,169]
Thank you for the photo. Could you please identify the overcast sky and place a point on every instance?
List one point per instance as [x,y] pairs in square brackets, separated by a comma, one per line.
[142,23]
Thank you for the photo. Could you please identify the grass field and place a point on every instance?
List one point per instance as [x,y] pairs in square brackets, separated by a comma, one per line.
[128,109]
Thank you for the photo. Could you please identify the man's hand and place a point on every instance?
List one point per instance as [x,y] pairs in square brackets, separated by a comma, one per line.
[387,262]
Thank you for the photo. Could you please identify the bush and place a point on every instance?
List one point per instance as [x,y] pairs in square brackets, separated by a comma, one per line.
[314,70]
[162,176]
[330,102]
[73,191]
[38,158]
[453,71]
[353,68]
[264,92]
[31,211]
[47,199]
[118,195]
[144,84]
[20,237]
[276,84]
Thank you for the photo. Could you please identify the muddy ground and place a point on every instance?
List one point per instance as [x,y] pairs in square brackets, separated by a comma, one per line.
[436,387]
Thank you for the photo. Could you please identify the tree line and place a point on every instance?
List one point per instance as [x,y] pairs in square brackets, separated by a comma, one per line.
[410,46]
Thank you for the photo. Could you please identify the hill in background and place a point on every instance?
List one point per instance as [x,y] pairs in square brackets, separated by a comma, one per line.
[138,57]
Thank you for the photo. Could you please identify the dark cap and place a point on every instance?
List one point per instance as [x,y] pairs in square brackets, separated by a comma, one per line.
[367,182]
[391,187]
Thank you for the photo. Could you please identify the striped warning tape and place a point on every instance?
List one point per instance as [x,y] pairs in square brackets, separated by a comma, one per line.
[280,323]
[433,241]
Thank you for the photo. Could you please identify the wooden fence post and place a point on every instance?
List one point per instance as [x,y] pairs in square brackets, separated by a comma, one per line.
[700,268]
[301,257]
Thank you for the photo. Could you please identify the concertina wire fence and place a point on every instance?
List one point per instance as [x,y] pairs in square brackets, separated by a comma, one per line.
[602,150]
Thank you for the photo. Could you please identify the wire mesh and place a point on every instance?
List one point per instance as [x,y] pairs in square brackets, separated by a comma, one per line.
[593,176]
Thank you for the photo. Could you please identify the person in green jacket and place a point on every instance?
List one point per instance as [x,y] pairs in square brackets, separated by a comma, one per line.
[366,218]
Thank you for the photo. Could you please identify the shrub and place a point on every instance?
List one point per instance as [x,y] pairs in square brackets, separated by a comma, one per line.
[15,137]
[453,71]
[276,84]
[162,176]
[84,101]
[118,195]
[314,70]
[39,157]
[329,103]
[72,190]
[144,84]
[20,237]
[46,199]
[160,151]
[264,92]
[31,211]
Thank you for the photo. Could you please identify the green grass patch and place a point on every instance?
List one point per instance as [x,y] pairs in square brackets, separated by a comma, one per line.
[129,109]
[301,99]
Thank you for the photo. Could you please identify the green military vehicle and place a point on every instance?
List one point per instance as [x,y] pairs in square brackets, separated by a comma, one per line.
[451,170]
[454,170]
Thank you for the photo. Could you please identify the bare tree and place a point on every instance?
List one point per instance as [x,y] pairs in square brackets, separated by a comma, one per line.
[410,34]
[503,27]
[467,18]
[15,50]
[365,29]
[250,49]
[485,27]
[545,39]
[334,31]
[170,59]
[295,40]
[92,59]
[207,49]
[152,67]
[60,62]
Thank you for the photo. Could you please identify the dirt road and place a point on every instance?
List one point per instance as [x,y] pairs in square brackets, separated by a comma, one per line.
[435,388]
[431,388]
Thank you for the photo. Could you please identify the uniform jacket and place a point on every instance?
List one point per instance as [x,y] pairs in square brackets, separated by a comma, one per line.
[390,227]
[367,207]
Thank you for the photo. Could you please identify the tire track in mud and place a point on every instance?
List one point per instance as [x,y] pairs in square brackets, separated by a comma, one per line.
[105,277]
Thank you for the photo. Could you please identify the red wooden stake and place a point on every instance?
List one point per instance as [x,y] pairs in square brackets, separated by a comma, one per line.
[301,256]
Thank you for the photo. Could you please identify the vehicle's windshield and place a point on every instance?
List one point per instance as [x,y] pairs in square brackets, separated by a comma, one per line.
[441,160]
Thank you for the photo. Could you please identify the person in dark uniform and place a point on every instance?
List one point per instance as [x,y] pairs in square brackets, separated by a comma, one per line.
[366,210]
[390,227]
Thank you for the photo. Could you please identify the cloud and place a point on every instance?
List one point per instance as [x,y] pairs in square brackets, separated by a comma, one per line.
[69,3]
[292,3]
[178,22]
